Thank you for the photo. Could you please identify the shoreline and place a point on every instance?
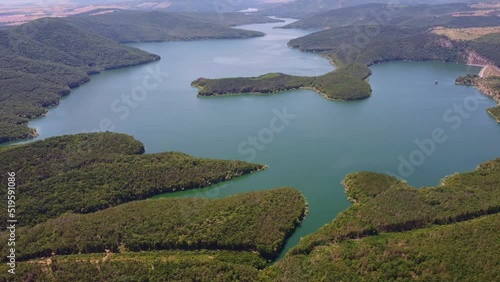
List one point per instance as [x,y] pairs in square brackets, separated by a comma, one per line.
[65,93]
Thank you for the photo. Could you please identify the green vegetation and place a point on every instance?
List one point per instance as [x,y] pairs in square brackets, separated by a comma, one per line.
[42,60]
[495,112]
[140,26]
[415,16]
[392,232]
[256,221]
[466,251]
[489,86]
[268,83]
[467,80]
[306,9]
[390,44]
[85,173]
[488,47]
[402,34]
[346,84]
[356,246]
[385,204]
[144,266]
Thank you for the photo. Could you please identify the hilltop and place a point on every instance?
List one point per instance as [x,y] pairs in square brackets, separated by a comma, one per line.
[421,16]
[302,9]
[153,26]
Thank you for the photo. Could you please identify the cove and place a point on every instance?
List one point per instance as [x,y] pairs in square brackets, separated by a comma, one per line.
[321,142]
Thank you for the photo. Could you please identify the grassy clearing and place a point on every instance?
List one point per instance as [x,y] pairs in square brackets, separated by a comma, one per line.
[465,33]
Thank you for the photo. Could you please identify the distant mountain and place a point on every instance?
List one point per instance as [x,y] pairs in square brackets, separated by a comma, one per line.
[222,6]
[401,15]
[303,8]
[135,26]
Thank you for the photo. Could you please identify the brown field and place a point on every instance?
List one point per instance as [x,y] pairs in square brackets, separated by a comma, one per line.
[485,6]
[465,33]
[477,13]
[15,15]
[481,9]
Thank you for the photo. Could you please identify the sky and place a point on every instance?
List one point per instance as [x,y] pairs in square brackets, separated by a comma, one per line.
[51,2]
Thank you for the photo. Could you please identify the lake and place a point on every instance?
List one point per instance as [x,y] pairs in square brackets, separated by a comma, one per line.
[410,127]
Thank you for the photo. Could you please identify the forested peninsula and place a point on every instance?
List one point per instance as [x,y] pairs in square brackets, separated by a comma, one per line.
[85,173]
[353,40]
[393,231]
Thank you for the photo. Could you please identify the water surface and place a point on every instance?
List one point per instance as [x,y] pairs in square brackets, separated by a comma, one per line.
[317,148]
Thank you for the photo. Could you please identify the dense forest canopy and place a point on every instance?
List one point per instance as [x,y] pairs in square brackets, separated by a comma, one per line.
[85,173]
[392,231]
[256,221]
[421,16]
[405,231]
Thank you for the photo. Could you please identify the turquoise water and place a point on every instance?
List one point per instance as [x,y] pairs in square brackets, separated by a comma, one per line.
[314,144]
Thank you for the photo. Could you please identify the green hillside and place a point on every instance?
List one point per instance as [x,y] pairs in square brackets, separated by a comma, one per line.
[85,173]
[466,251]
[256,221]
[385,204]
[392,232]
[141,26]
[395,231]
[42,60]
[345,84]
[305,9]
[421,16]
[142,266]
[391,43]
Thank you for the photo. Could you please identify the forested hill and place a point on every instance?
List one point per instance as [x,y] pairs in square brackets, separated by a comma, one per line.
[308,8]
[42,60]
[423,16]
[394,232]
[85,173]
[391,43]
[142,26]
